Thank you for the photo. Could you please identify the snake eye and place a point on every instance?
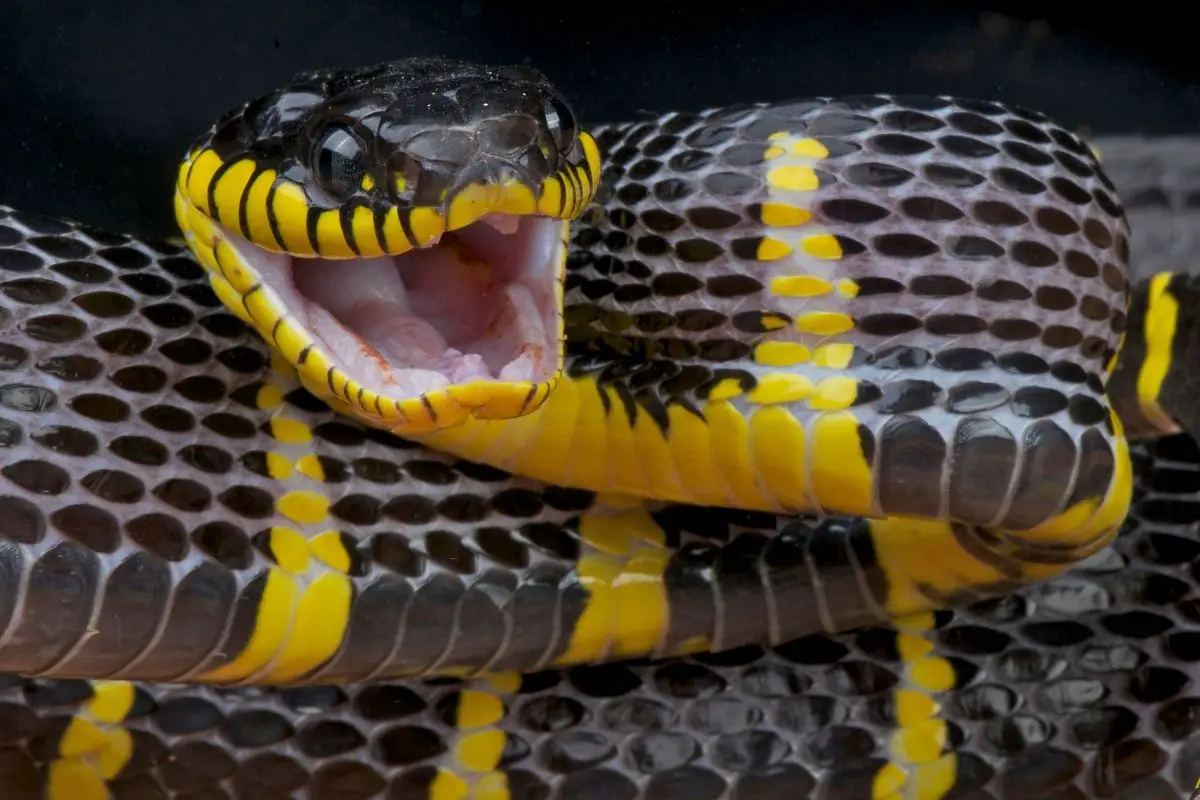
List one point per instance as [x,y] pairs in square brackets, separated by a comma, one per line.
[561,123]
[338,161]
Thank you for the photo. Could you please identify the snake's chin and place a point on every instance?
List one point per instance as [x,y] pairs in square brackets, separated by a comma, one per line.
[480,304]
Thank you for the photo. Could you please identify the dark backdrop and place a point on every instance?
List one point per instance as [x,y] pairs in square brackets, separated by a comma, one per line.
[98,100]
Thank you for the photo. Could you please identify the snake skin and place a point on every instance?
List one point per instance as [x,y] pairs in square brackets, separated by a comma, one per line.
[136,465]
[1081,688]
[1076,688]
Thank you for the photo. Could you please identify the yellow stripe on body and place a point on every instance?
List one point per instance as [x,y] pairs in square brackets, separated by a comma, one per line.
[823,468]
[470,768]
[304,612]
[620,459]
[923,559]
[1161,322]
[792,182]
[621,566]
[919,558]
[95,747]
[918,767]
[716,457]
[1092,523]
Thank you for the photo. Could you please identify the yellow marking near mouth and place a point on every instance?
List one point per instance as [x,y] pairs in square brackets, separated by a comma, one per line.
[258,226]
[227,192]
[197,177]
[331,238]
[290,209]
[275,213]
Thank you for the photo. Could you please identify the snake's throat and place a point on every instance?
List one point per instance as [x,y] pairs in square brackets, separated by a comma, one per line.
[480,304]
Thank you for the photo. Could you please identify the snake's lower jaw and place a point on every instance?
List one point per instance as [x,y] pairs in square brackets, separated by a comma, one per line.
[470,325]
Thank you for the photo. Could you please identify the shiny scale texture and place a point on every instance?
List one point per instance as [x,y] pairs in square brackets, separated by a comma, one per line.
[132,418]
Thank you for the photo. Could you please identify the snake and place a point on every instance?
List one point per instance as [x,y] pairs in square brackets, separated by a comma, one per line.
[828,447]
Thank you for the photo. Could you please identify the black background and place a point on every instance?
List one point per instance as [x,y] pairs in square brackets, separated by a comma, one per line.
[98,100]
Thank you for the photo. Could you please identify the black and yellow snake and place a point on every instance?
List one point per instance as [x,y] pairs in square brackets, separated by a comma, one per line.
[703,391]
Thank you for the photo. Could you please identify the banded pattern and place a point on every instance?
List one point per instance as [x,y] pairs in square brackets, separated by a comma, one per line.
[160,457]
[152,447]
[776,307]
[1080,688]
[133,469]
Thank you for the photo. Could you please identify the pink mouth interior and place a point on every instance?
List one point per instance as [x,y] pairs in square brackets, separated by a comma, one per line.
[478,305]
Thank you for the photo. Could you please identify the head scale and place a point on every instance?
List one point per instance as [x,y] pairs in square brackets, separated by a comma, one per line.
[409,133]
[426,317]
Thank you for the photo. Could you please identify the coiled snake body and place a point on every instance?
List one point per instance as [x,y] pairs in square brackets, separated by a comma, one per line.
[827,364]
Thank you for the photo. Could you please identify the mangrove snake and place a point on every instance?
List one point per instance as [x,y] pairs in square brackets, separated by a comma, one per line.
[828,365]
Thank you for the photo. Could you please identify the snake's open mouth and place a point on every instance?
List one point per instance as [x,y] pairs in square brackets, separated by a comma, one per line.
[479,304]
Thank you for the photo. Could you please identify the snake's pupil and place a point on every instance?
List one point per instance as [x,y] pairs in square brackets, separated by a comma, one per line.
[339,161]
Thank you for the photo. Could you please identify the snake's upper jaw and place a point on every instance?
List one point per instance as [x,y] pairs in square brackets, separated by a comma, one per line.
[479,306]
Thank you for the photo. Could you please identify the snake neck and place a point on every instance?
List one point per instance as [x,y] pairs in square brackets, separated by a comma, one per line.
[872,306]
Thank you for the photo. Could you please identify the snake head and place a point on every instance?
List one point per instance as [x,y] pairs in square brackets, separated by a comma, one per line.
[398,233]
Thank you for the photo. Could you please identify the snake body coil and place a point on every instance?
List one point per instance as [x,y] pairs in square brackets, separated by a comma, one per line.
[898,313]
